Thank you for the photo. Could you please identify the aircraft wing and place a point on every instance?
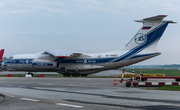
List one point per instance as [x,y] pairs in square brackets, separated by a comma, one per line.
[59,53]
[63,54]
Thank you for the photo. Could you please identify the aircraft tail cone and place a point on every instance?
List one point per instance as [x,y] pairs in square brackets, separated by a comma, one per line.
[115,81]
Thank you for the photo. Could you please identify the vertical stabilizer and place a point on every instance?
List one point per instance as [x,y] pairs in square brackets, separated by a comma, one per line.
[150,33]
[1,54]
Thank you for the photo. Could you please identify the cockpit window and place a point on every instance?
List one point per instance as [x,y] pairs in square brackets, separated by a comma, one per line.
[11,57]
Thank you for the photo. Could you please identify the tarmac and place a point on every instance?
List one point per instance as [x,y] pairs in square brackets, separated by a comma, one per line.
[103,73]
[81,93]
[1,97]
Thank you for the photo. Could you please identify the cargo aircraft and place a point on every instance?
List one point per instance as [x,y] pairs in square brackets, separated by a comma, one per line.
[141,47]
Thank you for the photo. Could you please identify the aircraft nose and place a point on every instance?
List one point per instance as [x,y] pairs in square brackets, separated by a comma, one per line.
[4,66]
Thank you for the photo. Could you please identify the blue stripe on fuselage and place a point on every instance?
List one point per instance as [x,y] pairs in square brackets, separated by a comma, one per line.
[74,61]
[145,55]
[100,60]
[19,61]
[152,37]
[88,60]
[42,64]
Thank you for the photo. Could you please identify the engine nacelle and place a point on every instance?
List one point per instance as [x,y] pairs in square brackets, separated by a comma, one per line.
[43,64]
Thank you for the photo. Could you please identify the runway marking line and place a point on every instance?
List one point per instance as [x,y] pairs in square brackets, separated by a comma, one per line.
[29,99]
[76,106]
[9,95]
[8,85]
[21,86]
[38,87]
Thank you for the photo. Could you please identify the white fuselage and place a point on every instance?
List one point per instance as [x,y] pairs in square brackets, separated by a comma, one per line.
[90,63]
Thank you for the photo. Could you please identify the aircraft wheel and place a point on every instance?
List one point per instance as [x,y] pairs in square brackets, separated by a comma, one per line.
[84,75]
[66,74]
[76,74]
[128,84]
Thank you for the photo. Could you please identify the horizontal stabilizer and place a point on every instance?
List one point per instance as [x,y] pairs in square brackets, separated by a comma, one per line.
[155,18]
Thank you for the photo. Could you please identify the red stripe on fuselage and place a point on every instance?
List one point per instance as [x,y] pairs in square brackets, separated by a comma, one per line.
[62,56]
[145,28]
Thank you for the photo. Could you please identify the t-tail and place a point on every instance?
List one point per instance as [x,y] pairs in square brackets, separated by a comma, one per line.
[1,54]
[143,45]
[149,34]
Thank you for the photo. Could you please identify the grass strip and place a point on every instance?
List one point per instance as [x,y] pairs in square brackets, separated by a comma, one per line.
[171,88]
[167,72]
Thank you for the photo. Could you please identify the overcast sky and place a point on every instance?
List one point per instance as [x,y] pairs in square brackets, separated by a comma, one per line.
[30,26]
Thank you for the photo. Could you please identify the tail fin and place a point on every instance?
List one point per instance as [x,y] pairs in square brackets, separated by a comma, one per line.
[150,33]
[1,54]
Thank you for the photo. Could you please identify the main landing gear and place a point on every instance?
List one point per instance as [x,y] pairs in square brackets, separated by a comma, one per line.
[84,75]
[74,75]
[66,75]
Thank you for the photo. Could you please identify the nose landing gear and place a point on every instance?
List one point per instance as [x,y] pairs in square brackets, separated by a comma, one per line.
[31,74]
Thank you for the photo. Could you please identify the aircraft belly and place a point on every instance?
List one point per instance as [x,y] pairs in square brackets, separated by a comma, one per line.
[80,66]
[11,67]
[20,67]
[133,61]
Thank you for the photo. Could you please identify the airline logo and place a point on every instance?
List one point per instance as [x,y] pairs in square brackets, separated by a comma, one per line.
[140,38]
[146,27]
[85,61]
